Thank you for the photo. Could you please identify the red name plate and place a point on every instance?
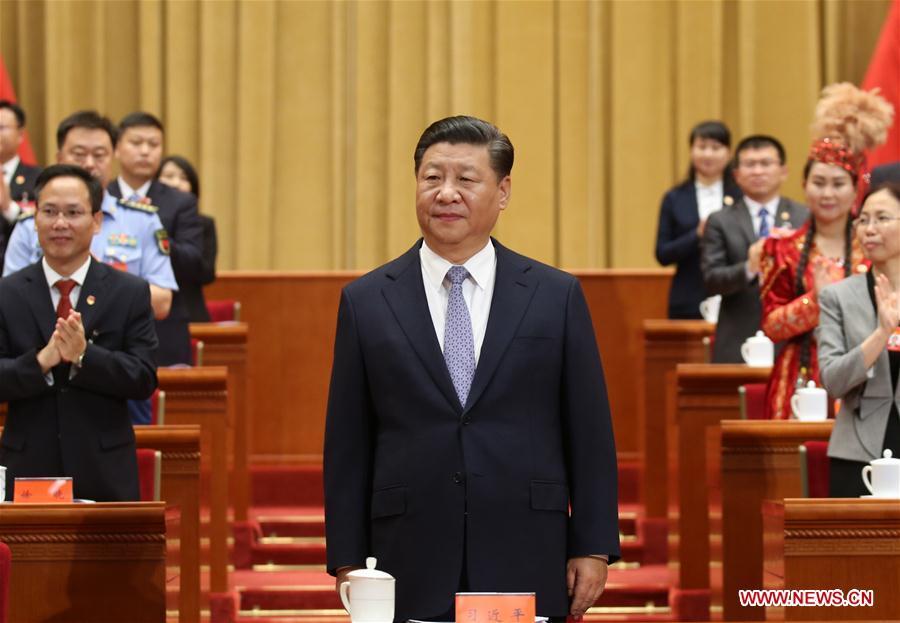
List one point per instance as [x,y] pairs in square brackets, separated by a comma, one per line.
[495,608]
[43,490]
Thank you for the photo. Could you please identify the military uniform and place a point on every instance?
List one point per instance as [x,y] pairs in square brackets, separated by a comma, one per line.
[131,238]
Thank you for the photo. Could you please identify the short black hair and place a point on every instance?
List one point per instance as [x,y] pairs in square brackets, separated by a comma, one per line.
[891,186]
[759,141]
[472,131]
[88,119]
[16,110]
[95,190]
[189,172]
[140,119]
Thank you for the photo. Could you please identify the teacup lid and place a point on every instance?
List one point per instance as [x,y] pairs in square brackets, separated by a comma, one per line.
[370,572]
[759,337]
[887,460]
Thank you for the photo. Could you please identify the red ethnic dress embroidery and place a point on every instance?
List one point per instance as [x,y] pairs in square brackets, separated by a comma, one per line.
[786,317]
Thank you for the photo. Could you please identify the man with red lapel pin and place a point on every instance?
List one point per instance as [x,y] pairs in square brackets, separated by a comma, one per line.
[77,341]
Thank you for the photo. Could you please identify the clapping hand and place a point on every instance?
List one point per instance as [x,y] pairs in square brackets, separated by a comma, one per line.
[69,336]
[888,304]
[825,272]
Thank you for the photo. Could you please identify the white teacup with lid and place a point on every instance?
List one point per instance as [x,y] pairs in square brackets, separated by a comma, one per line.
[371,598]
[810,403]
[882,476]
[758,351]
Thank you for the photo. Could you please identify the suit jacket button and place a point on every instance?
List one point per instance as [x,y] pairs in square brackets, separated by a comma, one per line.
[458,478]
[467,419]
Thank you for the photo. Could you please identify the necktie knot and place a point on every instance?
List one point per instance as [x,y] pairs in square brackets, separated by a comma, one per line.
[64,286]
[135,198]
[457,274]
[763,213]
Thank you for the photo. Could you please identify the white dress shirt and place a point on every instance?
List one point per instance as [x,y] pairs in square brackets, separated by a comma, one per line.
[754,207]
[478,290]
[709,198]
[78,277]
[128,192]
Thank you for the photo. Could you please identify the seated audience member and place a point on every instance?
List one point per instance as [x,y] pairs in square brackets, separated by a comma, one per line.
[178,173]
[685,208]
[139,152]
[733,239]
[18,178]
[67,374]
[796,267]
[859,347]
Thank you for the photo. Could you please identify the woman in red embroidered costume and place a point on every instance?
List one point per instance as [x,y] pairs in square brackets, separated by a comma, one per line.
[795,267]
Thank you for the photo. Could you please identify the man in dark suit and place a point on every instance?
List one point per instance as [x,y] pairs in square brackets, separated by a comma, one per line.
[17,187]
[67,374]
[733,240]
[468,442]
[139,152]
[889,172]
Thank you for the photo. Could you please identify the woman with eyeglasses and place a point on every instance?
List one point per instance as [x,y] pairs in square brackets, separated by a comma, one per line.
[859,347]
[685,208]
[795,268]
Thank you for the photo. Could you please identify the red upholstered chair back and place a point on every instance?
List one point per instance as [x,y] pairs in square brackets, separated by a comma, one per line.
[224,310]
[814,472]
[752,399]
[196,352]
[158,408]
[5,564]
[149,473]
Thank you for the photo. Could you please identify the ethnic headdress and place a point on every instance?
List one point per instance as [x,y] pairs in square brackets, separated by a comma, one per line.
[830,151]
[858,119]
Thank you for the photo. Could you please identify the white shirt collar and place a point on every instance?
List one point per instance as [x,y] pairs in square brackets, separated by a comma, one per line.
[479,265]
[128,191]
[755,206]
[715,187]
[9,168]
[78,276]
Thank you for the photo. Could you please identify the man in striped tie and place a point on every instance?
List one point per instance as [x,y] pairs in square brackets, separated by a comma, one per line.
[468,443]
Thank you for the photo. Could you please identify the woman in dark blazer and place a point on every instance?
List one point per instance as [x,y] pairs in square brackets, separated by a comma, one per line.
[177,172]
[859,348]
[685,208]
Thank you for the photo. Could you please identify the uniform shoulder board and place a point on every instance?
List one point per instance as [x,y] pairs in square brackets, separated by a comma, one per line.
[138,205]
[24,216]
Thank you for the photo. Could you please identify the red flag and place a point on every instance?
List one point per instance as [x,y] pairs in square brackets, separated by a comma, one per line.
[8,93]
[884,73]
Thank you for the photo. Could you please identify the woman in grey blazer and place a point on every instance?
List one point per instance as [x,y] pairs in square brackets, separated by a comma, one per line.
[859,347]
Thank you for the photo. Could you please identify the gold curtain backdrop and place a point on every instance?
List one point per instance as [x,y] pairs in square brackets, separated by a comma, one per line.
[302,115]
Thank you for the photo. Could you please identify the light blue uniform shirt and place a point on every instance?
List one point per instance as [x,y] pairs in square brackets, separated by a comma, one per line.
[127,239]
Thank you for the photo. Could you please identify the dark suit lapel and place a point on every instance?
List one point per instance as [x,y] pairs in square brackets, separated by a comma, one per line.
[742,214]
[513,291]
[38,297]
[405,294]
[114,190]
[93,296]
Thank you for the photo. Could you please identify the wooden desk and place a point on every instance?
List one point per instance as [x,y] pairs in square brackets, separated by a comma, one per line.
[199,396]
[759,461]
[666,344]
[226,344]
[834,544]
[86,562]
[705,395]
[180,488]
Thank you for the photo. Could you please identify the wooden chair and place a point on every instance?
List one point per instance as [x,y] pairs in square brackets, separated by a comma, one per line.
[752,401]
[814,469]
[149,474]
[224,310]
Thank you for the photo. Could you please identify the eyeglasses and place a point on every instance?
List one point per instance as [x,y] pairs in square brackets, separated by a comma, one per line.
[882,220]
[70,214]
[765,163]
